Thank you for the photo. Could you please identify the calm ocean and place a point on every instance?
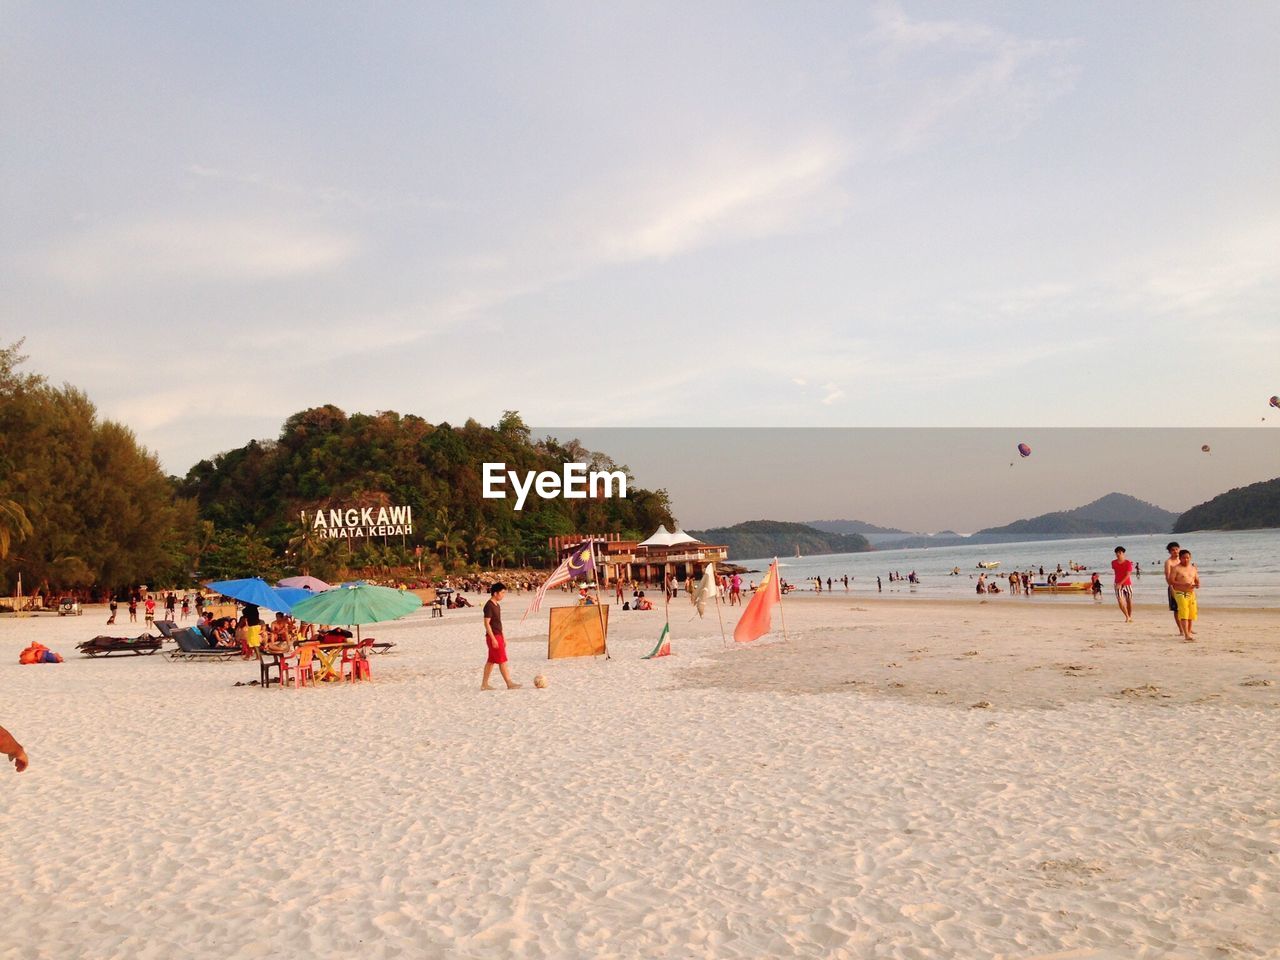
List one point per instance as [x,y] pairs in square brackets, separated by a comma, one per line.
[1236,569]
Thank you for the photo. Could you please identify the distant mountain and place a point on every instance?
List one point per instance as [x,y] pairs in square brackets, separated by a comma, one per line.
[1115,514]
[774,538]
[851,526]
[1245,508]
[948,538]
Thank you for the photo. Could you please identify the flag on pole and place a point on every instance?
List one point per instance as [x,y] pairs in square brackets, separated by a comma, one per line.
[577,566]
[663,647]
[707,589]
[757,619]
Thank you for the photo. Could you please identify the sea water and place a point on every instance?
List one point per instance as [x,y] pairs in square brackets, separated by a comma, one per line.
[1237,569]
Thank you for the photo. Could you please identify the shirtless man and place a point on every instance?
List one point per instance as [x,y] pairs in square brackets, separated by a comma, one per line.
[1170,562]
[1185,581]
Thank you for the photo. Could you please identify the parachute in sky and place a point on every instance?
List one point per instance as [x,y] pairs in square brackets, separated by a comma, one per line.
[1024,450]
[1205,448]
[1275,402]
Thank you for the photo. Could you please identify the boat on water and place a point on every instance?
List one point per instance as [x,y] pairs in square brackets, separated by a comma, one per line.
[988,564]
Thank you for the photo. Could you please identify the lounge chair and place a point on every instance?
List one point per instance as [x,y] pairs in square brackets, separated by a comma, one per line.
[167,627]
[193,646]
[378,646]
[106,646]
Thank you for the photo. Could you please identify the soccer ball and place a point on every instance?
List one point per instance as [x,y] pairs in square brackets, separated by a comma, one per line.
[540,682]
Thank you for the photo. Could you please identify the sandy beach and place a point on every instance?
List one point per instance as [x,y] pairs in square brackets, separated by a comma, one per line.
[900,780]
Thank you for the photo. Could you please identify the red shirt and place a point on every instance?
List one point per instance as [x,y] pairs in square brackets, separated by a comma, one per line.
[1122,568]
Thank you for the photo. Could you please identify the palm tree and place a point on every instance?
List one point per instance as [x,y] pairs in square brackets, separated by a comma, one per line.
[306,546]
[14,525]
[485,538]
[446,535]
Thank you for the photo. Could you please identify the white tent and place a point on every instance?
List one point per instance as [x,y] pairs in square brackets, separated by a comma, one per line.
[661,537]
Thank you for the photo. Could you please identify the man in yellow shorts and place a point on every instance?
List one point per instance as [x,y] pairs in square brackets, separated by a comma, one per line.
[1184,581]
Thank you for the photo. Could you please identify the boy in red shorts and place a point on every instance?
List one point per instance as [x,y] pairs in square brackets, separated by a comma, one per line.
[493,637]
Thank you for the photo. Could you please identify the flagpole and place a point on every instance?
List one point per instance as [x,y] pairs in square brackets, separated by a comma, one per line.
[719,616]
[781,612]
[596,572]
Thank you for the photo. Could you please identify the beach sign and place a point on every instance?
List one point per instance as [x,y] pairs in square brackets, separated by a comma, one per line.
[578,632]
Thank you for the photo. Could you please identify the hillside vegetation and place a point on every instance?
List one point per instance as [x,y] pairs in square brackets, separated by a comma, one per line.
[1254,507]
[768,538]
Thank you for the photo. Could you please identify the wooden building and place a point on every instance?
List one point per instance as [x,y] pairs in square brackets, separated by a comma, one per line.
[648,561]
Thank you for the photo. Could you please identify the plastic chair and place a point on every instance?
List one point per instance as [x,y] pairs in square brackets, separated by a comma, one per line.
[298,666]
[355,661]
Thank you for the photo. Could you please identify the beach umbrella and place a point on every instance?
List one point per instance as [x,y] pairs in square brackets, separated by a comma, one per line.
[293,595]
[362,603]
[314,584]
[255,591]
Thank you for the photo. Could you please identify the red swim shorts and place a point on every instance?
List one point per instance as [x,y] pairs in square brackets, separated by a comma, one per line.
[497,648]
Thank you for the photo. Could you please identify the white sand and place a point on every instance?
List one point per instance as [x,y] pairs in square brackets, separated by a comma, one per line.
[775,801]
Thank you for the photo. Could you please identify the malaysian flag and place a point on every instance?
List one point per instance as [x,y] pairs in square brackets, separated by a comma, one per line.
[577,566]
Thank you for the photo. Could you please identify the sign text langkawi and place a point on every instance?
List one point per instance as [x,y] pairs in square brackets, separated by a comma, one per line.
[346,524]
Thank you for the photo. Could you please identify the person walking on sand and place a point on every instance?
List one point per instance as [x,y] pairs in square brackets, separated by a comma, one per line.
[113,606]
[12,749]
[1124,583]
[494,639]
[1170,562]
[1185,581]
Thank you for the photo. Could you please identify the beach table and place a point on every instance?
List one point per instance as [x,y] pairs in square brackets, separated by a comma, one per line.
[328,662]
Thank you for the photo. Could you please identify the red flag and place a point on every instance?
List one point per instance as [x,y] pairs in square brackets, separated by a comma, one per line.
[757,619]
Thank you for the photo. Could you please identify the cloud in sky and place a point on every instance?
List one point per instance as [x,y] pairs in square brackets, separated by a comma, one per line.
[195,250]
[878,214]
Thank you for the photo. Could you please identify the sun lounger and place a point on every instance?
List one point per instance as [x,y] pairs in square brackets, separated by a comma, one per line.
[193,646]
[167,627]
[144,645]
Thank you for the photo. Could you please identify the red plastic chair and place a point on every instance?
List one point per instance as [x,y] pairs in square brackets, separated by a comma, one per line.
[298,665]
[355,661]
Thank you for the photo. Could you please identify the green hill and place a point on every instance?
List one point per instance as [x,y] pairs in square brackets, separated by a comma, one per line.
[770,538]
[1254,507]
[1116,513]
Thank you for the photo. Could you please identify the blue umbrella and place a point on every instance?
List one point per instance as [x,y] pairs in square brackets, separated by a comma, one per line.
[258,592]
[292,595]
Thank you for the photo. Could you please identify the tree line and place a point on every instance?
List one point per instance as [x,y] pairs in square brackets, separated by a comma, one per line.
[83,504]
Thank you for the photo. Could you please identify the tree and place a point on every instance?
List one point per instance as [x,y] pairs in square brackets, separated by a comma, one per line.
[14,525]
[484,539]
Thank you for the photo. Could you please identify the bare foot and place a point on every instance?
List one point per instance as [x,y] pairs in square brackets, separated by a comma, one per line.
[485,686]
[514,686]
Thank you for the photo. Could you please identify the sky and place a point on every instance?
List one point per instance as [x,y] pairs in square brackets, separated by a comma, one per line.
[929,479]
[716,214]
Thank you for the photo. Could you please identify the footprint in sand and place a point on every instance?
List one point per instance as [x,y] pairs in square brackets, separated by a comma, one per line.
[1146,690]
[1073,871]
[1257,682]
[980,705]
